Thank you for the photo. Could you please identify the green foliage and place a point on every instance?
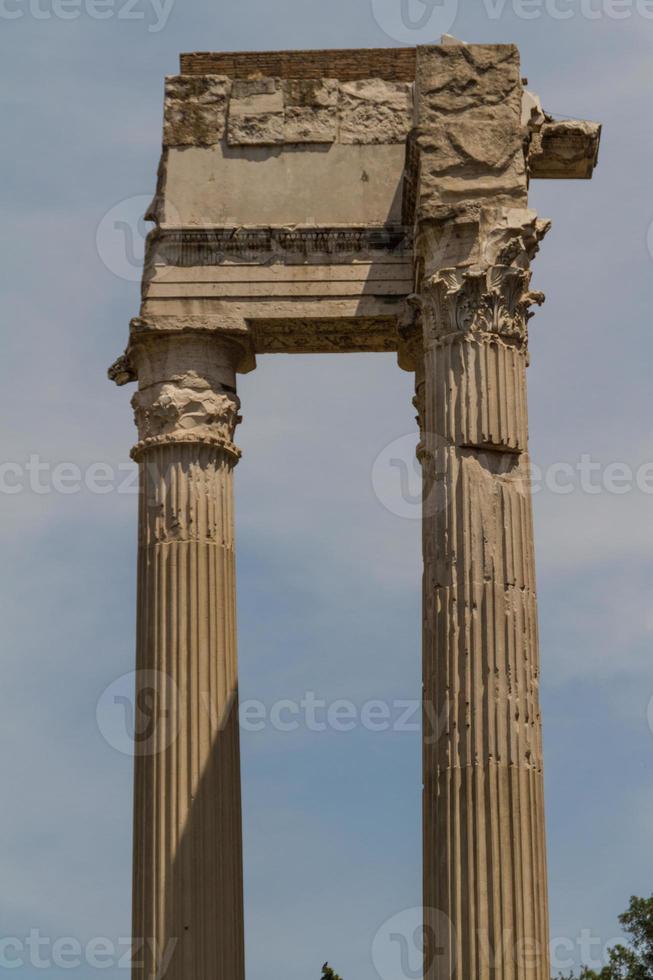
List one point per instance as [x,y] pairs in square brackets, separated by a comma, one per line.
[329,974]
[632,962]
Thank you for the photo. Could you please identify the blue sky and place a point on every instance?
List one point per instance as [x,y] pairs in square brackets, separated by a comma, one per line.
[328,577]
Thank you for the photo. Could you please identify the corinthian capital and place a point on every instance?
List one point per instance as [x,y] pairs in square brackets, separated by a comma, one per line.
[493,300]
[488,293]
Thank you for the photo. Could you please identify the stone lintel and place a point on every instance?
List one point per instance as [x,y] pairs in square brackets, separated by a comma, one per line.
[322,335]
[294,290]
[265,334]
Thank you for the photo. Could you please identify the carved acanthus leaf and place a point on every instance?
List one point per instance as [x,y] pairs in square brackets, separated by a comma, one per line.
[493,300]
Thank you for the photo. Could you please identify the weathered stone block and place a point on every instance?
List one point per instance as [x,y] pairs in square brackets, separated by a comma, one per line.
[375,111]
[469,105]
[195,109]
[256,113]
[316,92]
[456,78]
[306,124]
[252,130]
[257,96]
[269,111]
[310,110]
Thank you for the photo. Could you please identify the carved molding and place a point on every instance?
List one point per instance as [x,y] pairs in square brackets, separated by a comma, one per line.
[209,246]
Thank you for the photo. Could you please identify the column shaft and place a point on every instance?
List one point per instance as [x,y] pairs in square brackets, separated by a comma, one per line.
[485,882]
[187,893]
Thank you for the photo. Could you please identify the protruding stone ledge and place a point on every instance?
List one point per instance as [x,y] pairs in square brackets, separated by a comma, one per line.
[122,371]
[565,150]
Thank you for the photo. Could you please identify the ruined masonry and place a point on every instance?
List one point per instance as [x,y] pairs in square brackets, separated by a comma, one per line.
[369,200]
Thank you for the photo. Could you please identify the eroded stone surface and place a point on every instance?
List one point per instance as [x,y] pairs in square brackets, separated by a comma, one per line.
[195,109]
[268,111]
[310,110]
[272,111]
[309,125]
[256,113]
[310,92]
[469,107]
[375,111]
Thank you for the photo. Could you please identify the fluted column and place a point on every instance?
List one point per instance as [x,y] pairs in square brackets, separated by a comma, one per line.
[187,892]
[485,880]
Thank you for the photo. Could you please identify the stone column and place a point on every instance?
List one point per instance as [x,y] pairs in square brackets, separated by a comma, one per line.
[188,892]
[485,879]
